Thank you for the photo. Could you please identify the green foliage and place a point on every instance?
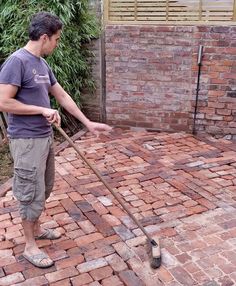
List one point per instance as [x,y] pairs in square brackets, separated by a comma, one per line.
[69,61]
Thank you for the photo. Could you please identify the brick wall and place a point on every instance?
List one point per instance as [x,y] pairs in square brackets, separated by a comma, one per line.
[218,96]
[151,75]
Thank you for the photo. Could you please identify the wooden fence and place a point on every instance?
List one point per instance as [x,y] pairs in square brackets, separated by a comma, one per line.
[3,127]
[170,11]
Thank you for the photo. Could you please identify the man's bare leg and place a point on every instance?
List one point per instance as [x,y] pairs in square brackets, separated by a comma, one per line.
[31,247]
[39,230]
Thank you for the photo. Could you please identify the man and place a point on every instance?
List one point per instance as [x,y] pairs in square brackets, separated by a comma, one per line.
[25,82]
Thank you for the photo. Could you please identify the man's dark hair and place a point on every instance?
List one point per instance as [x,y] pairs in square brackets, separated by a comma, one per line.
[44,23]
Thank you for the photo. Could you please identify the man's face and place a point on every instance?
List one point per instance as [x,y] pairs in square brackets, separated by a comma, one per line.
[50,43]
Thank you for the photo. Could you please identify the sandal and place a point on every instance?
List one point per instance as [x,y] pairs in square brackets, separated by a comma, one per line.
[49,234]
[37,260]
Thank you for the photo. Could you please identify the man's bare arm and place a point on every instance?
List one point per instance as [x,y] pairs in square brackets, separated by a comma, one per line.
[9,104]
[67,102]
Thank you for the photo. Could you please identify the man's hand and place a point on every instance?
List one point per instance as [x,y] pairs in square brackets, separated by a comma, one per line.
[52,116]
[96,127]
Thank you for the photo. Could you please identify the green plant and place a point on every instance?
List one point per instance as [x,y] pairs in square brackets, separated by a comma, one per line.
[69,62]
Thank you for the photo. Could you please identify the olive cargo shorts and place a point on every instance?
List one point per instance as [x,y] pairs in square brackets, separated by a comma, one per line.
[34,169]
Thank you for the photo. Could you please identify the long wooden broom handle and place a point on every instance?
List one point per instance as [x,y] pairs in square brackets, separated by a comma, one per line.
[102,180]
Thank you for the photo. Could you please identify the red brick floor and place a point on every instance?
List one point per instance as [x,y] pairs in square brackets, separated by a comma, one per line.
[182,189]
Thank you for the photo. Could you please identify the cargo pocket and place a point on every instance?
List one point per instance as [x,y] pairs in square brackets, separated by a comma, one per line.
[24,185]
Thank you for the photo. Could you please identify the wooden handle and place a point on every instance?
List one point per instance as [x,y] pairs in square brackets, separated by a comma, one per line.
[102,180]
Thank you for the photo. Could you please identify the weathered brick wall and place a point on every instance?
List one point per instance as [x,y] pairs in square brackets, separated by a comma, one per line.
[151,77]
[217,109]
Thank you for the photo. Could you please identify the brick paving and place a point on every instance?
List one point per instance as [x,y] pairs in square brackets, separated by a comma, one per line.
[182,189]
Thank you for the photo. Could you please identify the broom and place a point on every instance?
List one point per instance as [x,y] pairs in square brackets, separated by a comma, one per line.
[155,246]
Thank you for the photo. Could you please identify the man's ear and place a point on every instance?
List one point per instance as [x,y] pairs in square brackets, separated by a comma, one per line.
[44,37]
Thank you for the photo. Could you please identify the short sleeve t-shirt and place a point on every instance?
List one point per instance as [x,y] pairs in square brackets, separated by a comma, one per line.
[33,77]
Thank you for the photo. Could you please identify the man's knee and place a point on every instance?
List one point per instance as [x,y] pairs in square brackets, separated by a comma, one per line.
[24,185]
[30,197]
[32,211]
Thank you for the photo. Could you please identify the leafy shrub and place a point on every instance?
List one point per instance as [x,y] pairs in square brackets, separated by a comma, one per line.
[69,61]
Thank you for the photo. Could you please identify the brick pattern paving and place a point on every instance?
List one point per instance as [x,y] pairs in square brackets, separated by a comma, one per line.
[181,188]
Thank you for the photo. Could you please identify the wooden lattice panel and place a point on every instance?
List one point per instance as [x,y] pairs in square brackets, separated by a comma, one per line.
[170,10]
[213,10]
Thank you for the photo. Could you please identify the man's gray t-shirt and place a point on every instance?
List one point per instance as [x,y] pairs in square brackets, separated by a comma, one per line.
[33,77]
